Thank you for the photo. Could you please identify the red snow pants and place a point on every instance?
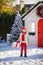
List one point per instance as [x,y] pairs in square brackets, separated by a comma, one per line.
[23,46]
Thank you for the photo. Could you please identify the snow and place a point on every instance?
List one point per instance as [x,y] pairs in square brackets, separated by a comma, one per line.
[11,56]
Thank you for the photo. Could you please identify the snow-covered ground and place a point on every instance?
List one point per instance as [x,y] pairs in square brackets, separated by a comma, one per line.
[11,56]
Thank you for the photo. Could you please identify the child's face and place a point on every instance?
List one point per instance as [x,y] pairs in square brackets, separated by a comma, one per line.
[24,30]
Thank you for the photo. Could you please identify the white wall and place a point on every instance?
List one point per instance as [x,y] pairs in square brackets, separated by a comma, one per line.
[32,17]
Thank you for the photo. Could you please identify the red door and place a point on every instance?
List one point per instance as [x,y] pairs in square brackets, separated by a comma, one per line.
[40,33]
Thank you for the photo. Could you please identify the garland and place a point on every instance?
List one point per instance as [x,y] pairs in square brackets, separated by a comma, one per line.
[40,11]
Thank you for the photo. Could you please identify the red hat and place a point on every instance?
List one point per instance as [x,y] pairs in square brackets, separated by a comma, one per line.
[23,28]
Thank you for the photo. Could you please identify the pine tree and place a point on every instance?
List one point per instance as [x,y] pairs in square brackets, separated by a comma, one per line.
[16,29]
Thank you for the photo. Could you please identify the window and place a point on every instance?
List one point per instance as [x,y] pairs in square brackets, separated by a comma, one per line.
[32,27]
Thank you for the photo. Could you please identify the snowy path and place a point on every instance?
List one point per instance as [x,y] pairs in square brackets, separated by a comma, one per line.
[11,56]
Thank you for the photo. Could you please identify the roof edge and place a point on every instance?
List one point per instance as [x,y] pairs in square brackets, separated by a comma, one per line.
[30,9]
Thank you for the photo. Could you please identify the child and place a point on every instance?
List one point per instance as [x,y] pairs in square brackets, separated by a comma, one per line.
[23,45]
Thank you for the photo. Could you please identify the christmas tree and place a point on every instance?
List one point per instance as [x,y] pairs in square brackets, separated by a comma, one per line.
[16,29]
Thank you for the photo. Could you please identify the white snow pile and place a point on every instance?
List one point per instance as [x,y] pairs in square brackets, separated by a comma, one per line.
[11,56]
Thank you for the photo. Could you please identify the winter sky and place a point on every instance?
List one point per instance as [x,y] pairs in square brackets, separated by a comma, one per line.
[29,1]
